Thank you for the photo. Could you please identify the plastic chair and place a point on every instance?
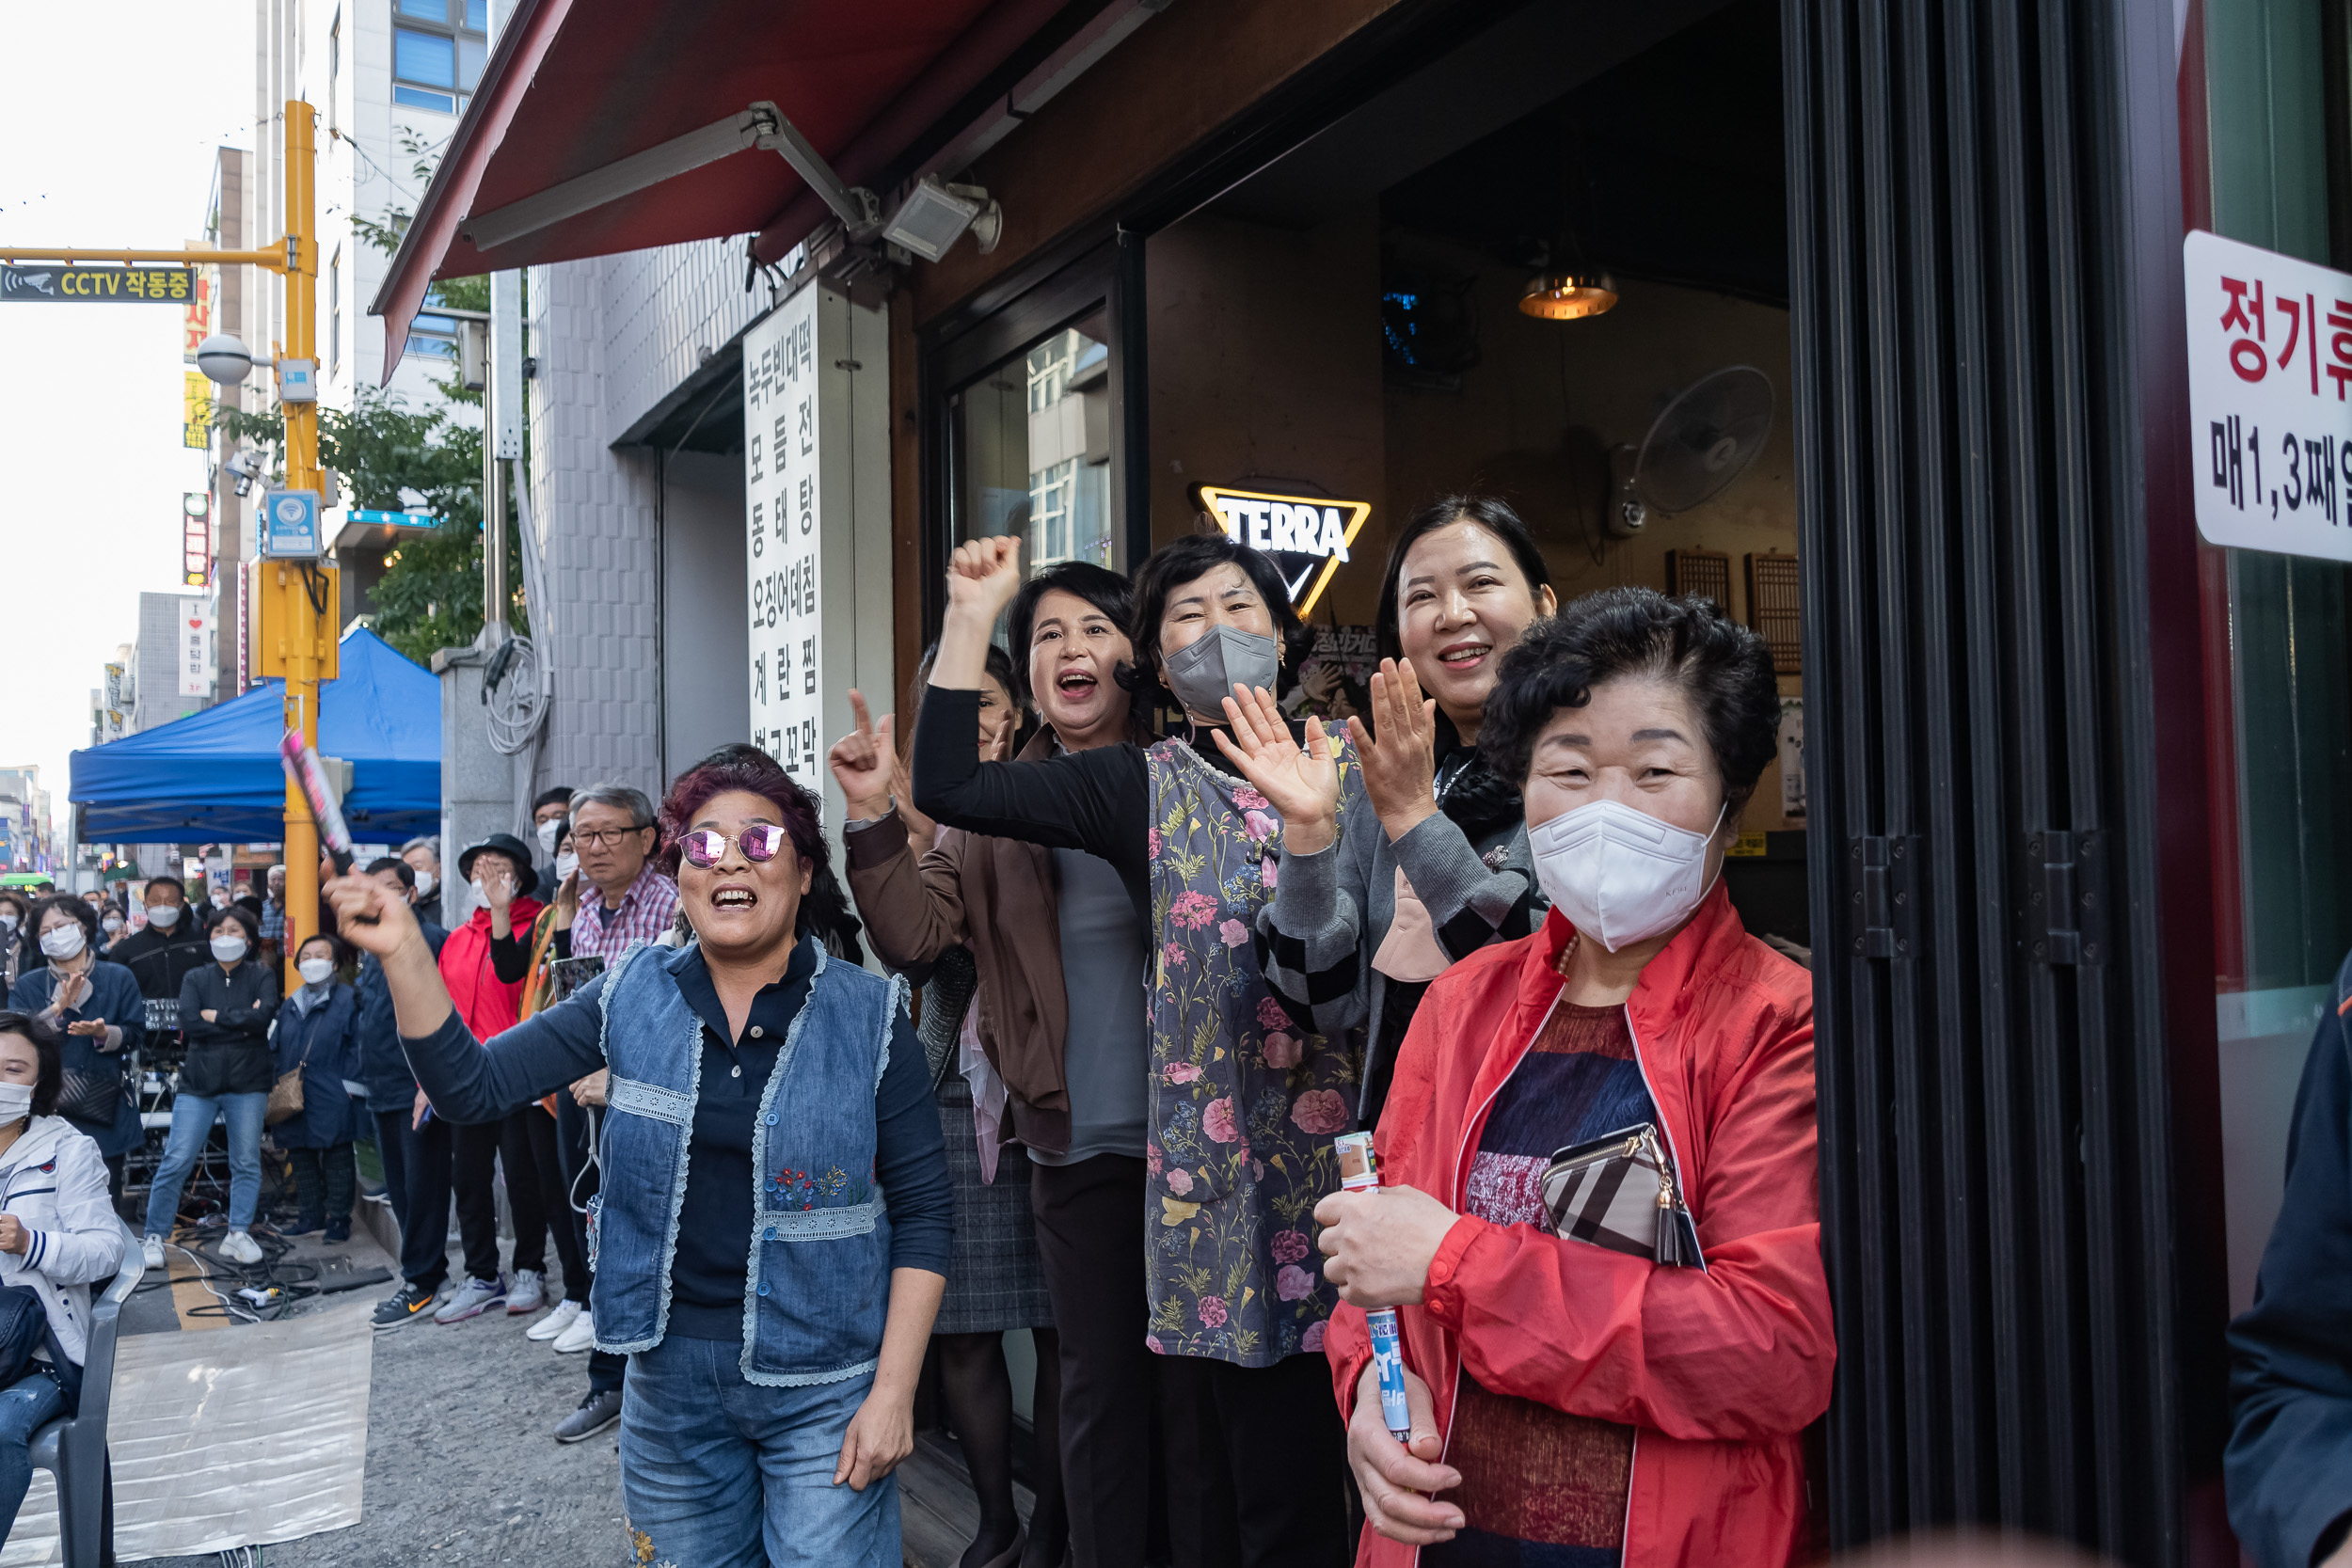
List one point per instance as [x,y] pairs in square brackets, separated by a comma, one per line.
[73,1448]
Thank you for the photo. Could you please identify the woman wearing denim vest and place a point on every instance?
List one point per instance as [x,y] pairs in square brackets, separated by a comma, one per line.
[770,1242]
[1243,1094]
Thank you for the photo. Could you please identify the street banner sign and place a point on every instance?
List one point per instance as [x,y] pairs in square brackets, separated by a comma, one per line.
[195,647]
[196,539]
[57,283]
[196,410]
[816,542]
[2269,370]
[392,520]
[288,526]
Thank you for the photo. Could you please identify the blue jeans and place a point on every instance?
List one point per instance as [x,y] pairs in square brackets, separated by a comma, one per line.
[719,1473]
[25,1406]
[191,1124]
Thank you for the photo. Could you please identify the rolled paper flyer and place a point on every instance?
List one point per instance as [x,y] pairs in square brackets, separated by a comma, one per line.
[1359,1172]
[302,767]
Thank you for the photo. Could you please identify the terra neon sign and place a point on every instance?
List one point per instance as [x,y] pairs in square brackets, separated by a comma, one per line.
[1309,535]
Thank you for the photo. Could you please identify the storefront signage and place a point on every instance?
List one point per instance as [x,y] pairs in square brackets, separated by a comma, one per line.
[2270,398]
[196,410]
[1309,535]
[196,539]
[816,533]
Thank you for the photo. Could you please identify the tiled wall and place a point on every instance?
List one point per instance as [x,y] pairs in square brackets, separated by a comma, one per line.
[612,338]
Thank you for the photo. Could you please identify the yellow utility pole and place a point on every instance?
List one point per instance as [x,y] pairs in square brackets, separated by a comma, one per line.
[295,609]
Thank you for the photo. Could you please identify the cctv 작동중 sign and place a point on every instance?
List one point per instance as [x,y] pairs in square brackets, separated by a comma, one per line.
[1309,535]
[57,283]
[2270,398]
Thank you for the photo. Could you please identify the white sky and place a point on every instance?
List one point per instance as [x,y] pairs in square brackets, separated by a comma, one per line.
[110,115]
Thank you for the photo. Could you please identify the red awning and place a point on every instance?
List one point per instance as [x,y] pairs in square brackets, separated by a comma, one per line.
[576,85]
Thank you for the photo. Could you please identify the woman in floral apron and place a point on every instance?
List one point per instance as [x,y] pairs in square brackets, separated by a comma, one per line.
[1244,1098]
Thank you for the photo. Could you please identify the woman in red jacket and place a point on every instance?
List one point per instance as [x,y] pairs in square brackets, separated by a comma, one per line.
[1584,1398]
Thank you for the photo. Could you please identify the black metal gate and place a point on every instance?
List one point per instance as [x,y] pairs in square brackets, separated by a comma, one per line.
[2017,1127]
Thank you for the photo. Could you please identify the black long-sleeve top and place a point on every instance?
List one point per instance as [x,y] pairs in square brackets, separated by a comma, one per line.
[471,1083]
[1098,800]
[230,1053]
[509,955]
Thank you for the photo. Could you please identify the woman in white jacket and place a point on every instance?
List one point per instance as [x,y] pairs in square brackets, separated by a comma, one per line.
[58,1232]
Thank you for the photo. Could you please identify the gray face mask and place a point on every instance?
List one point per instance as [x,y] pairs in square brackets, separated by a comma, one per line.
[1204,675]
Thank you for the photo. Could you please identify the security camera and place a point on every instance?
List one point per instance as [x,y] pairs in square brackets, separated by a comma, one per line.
[242,464]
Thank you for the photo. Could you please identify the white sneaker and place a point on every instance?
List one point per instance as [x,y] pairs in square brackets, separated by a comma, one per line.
[554,1323]
[239,1248]
[152,1251]
[580,1336]
[528,1293]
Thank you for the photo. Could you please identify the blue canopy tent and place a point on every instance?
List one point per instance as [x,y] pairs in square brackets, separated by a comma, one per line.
[214,775]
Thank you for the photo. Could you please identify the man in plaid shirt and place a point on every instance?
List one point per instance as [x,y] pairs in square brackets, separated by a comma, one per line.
[274,911]
[622,899]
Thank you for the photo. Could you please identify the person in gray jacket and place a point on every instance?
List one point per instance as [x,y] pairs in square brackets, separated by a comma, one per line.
[1356,932]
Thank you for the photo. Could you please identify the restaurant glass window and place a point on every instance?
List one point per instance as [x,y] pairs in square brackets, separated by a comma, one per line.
[1032,444]
[2278,649]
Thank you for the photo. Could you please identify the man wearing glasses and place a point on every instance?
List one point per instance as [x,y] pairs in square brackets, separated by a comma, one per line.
[623,900]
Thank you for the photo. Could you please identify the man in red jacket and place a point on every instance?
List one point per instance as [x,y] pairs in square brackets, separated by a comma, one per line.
[1580,1391]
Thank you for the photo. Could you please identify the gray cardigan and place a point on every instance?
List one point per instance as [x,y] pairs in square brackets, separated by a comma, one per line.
[1332,910]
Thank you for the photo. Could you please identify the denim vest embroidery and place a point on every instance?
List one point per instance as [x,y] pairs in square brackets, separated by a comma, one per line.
[1244,1103]
[816,1278]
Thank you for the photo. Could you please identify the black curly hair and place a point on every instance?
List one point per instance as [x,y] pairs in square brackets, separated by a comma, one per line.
[1724,669]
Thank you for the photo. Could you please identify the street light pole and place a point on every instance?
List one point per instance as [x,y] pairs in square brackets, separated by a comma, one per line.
[300,615]
[294,604]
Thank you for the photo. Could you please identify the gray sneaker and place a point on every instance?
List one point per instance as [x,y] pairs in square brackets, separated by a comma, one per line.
[470,1300]
[596,1413]
[528,1293]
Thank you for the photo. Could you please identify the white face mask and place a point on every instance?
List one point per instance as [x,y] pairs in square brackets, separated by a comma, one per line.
[63,941]
[316,971]
[424,884]
[8,920]
[112,924]
[565,863]
[16,1102]
[547,836]
[1620,875]
[229,949]
[163,916]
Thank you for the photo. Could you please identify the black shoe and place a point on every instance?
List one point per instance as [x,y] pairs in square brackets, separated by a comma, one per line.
[339,1231]
[405,1305]
[303,1226]
[596,1413]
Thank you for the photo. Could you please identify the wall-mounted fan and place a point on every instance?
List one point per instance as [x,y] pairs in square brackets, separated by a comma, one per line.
[1705,438]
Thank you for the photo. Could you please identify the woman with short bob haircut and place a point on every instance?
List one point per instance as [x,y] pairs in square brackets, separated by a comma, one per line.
[1639,1071]
[770,1237]
[1443,869]
[1240,1098]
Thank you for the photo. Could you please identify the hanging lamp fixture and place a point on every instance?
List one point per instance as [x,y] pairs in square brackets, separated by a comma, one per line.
[1566,296]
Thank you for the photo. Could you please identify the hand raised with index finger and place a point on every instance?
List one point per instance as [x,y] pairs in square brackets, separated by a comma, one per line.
[863,762]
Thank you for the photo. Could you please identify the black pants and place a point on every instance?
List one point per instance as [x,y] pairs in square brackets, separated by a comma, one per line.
[548,1167]
[391,1149]
[606,1372]
[1257,1464]
[1090,1241]
[504,1142]
[428,1159]
[325,1180]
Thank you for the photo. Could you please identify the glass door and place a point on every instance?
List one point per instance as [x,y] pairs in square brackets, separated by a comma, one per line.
[1031,445]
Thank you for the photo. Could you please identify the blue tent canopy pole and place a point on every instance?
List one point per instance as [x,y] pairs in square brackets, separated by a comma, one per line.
[214,775]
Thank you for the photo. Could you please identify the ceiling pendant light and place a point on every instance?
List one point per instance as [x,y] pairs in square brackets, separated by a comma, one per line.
[1565,296]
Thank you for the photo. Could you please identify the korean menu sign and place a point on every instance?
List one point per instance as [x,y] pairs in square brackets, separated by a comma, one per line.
[2270,398]
[784,536]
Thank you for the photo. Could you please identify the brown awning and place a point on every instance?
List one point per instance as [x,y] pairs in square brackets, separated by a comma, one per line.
[603,126]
